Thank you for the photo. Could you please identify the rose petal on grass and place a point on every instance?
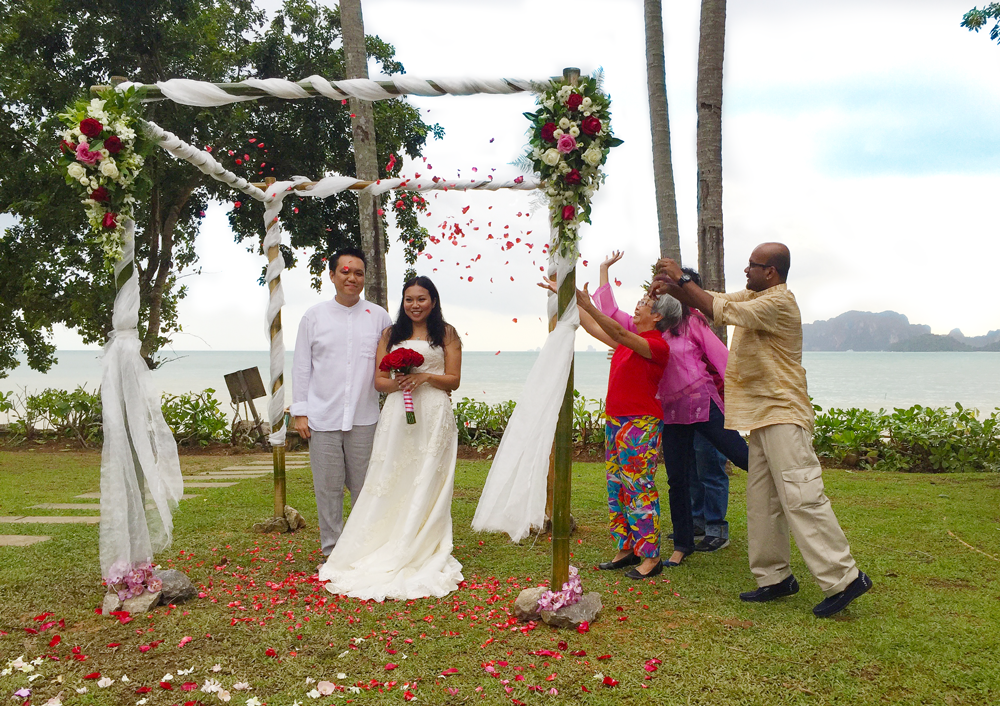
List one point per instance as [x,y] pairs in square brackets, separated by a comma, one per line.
[93,675]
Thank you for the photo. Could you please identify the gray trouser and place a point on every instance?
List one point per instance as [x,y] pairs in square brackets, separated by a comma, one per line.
[338,458]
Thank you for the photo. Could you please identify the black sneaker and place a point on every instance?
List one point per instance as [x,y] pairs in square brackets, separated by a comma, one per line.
[838,601]
[768,593]
[698,535]
[712,544]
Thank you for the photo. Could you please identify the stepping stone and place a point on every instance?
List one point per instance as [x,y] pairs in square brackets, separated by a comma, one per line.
[235,476]
[97,496]
[68,506]
[207,485]
[21,540]
[39,520]
[259,468]
[255,472]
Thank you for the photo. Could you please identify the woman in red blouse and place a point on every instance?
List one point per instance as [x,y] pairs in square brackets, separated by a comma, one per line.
[634,418]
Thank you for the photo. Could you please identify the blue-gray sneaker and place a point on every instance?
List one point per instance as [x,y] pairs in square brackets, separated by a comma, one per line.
[712,544]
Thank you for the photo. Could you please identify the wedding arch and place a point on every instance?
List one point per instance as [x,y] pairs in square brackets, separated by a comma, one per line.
[140,472]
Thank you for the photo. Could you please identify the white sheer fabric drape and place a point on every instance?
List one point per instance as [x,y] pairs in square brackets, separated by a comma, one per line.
[141,480]
[513,499]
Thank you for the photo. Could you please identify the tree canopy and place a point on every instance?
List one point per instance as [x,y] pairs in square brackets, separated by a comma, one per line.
[51,51]
[975,19]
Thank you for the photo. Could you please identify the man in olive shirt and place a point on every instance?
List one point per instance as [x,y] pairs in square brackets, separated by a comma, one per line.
[766,394]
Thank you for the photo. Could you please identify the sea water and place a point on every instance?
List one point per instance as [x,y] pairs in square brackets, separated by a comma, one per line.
[870,380]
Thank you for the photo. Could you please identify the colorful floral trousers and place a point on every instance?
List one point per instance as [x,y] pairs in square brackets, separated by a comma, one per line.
[631,444]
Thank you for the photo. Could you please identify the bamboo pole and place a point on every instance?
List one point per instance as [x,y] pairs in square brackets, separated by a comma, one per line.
[277,452]
[564,436]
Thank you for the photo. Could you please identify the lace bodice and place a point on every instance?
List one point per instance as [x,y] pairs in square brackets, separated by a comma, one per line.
[433,356]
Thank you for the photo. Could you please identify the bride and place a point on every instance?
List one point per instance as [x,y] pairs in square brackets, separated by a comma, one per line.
[397,541]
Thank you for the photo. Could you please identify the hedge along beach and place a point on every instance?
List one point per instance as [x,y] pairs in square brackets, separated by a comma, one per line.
[870,380]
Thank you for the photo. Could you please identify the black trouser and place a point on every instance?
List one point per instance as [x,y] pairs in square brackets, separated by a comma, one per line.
[679,459]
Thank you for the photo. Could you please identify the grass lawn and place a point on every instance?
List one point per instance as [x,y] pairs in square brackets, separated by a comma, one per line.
[927,633]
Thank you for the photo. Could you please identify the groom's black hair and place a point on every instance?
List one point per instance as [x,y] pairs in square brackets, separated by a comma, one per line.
[437,328]
[350,251]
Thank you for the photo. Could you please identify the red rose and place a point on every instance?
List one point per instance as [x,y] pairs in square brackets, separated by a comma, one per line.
[568,213]
[573,176]
[100,194]
[91,127]
[67,146]
[574,101]
[401,360]
[110,220]
[547,130]
[113,145]
[588,126]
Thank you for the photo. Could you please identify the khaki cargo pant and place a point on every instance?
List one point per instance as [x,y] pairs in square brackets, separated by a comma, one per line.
[785,492]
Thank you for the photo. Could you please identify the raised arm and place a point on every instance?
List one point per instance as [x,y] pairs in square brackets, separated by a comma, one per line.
[689,293]
[615,256]
[615,331]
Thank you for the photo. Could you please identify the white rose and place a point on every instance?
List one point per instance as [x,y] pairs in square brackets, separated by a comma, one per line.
[549,103]
[574,131]
[587,103]
[109,169]
[85,181]
[76,170]
[551,157]
[593,156]
[557,133]
[82,139]
[564,123]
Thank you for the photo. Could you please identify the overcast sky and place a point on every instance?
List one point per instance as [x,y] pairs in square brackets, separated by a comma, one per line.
[861,133]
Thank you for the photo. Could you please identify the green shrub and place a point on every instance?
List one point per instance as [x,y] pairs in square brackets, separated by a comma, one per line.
[76,414]
[195,418]
[922,439]
[482,425]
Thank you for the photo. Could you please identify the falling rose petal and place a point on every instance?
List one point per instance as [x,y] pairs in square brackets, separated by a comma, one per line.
[497,353]
[617,282]
[584,263]
[515,320]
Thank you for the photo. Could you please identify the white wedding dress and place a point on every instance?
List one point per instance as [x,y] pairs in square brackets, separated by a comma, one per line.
[397,541]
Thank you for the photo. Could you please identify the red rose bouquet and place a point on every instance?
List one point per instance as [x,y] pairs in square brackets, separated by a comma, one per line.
[403,360]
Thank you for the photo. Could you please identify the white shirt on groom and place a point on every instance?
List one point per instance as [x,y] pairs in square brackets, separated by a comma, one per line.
[333,369]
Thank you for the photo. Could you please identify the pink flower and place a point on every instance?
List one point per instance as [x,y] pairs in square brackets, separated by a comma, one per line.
[83,154]
[566,144]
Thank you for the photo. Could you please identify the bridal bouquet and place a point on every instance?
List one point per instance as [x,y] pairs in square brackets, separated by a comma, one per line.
[403,361]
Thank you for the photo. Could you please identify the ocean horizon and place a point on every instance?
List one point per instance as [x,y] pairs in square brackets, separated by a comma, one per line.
[871,380]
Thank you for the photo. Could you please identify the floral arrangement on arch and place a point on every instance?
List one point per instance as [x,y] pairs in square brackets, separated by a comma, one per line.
[570,140]
[102,153]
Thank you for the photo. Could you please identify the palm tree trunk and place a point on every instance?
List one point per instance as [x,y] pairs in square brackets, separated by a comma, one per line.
[711,50]
[659,123]
[365,155]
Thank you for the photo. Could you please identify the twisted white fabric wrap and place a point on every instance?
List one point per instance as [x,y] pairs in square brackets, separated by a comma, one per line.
[141,480]
[513,499]
[199,158]
[273,200]
[203,93]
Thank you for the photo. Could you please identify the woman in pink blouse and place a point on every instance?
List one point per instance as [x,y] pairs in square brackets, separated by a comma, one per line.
[691,402]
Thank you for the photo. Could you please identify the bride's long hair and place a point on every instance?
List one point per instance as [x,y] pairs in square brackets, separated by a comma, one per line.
[437,328]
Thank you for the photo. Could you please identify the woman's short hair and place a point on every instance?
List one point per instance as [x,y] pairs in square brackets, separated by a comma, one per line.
[669,310]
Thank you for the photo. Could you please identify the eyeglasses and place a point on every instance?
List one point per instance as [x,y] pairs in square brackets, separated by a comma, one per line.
[753,264]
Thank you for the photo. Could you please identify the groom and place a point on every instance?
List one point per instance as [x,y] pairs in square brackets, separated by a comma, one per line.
[334,401]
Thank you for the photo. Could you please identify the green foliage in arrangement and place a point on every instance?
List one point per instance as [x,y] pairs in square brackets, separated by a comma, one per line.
[919,439]
[195,418]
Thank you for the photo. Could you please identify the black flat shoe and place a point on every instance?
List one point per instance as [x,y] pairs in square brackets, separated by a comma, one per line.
[637,575]
[630,560]
[671,564]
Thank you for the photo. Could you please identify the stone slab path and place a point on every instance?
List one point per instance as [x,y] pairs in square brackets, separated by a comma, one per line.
[39,520]
[207,485]
[97,495]
[228,476]
[263,468]
[68,506]
[21,540]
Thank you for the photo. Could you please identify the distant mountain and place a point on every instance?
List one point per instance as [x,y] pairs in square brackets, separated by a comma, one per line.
[929,342]
[887,331]
[992,337]
[860,331]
